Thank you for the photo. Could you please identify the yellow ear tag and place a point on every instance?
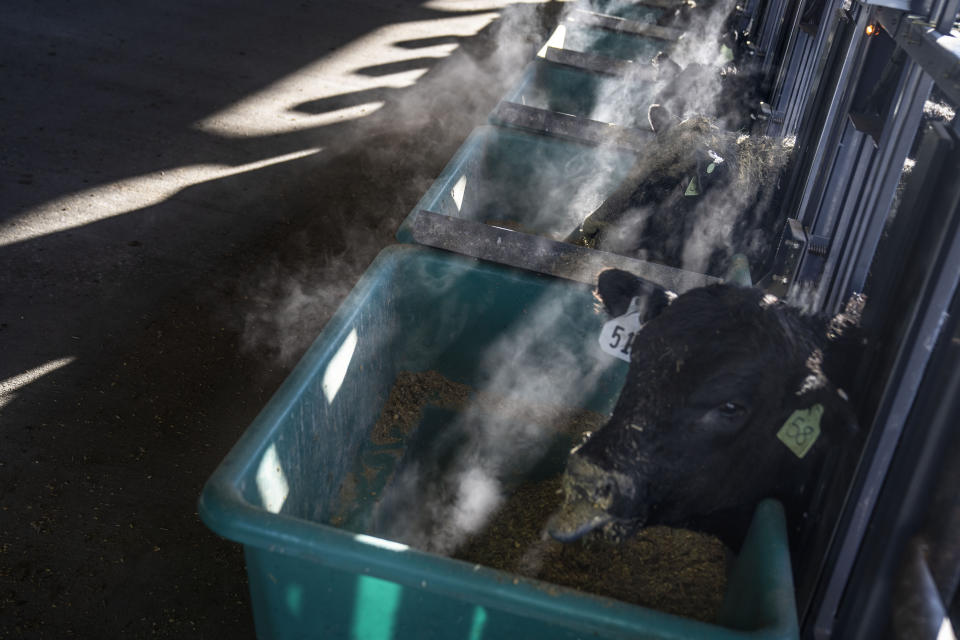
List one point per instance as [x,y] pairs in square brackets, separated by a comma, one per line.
[693,189]
[801,429]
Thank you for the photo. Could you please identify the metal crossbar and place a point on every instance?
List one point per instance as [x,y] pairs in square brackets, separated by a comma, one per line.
[543,255]
[596,63]
[568,126]
[613,23]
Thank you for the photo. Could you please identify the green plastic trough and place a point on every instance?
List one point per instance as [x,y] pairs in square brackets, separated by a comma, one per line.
[623,9]
[523,181]
[418,309]
[565,89]
[588,38]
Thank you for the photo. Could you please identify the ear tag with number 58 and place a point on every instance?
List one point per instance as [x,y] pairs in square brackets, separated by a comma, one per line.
[801,429]
[616,337]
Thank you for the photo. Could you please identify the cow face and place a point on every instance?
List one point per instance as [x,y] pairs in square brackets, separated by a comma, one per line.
[725,403]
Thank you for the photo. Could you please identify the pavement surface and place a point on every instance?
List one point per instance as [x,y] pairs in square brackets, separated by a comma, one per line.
[187,192]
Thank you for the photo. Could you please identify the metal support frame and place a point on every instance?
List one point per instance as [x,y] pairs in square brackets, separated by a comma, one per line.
[915,425]
[838,166]
[842,166]
[802,54]
[811,71]
[937,53]
[831,153]
[785,267]
[799,84]
[568,126]
[771,31]
[543,255]
[873,205]
[833,213]
[845,192]
[927,318]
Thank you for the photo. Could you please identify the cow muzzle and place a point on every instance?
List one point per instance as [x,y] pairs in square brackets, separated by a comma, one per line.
[590,494]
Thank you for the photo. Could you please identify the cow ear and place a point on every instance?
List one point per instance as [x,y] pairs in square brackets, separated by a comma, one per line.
[659,118]
[665,65]
[846,324]
[845,342]
[616,289]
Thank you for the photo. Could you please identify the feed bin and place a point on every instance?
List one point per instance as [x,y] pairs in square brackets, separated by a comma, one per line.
[418,309]
[579,33]
[621,100]
[523,181]
[623,9]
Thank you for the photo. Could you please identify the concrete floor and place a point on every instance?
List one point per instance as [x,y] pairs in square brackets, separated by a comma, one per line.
[188,190]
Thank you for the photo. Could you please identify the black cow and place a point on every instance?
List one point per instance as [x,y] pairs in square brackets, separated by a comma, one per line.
[696,196]
[725,93]
[728,400]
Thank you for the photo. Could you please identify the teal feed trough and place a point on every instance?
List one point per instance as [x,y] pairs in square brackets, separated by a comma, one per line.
[622,45]
[621,100]
[418,309]
[523,181]
[623,9]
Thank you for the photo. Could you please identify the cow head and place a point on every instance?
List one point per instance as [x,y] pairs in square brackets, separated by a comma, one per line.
[725,403]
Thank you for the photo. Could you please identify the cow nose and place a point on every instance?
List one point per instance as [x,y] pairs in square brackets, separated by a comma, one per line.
[603,495]
[607,487]
[575,519]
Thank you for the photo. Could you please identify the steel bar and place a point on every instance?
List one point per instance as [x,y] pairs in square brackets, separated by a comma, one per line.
[937,53]
[927,318]
[612,23]
[543,255]
[898,136]
[568,126]
[600,64]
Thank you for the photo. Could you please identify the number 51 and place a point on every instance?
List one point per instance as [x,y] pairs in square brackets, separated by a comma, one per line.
[618,335]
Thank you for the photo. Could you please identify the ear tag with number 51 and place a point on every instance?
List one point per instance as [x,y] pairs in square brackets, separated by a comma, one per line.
[616,337]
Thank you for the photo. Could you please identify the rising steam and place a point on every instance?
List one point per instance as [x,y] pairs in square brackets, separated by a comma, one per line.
[507,428]
[371,172]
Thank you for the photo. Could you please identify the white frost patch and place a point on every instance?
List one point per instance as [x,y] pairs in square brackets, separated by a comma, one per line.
[336,369]
[389,545]
[458,190]
[272,481]
[946,630]
[556,41]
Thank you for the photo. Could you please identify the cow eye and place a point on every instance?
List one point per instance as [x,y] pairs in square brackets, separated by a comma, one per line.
[731,410]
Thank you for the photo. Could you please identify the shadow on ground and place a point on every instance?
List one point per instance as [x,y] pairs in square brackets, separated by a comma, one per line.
[155,334]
